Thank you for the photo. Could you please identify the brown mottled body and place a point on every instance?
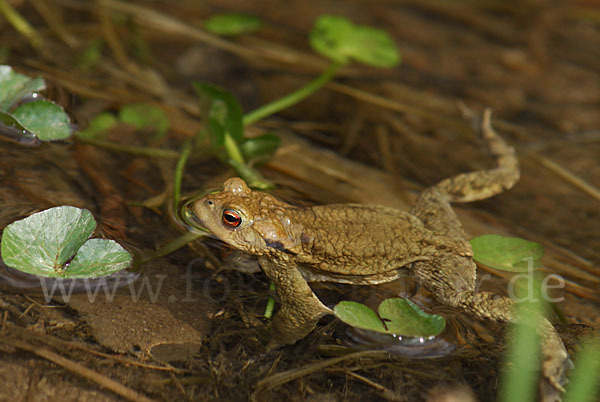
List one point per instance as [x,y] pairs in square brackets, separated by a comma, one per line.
[367,244]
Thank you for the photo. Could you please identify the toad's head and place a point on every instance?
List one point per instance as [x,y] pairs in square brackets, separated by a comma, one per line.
[251,221]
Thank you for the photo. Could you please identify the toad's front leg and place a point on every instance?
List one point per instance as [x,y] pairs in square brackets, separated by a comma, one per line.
[300,308]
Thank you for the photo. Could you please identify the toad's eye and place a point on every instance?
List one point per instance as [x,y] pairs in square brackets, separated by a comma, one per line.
[231,218]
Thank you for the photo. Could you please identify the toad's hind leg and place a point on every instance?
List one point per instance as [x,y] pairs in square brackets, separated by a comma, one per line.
[432,206]
[452,275]
[452,287]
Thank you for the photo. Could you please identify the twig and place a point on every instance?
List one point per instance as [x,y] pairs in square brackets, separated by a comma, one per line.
[55,23]
[569,177]
[131,149]
[386,392]
[4,321]
[286,376]
[60,344]
[21,25]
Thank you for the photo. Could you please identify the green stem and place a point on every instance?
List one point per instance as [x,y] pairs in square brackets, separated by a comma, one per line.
[183,157]
[583,381]
[172,246]
[270,303]
[232,149]
[20,24]
[292,98]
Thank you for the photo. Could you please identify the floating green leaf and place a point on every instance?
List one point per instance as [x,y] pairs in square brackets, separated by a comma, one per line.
[98,257]
[403,317]
[340,40]
[144,116]
[261,148]
[400,317]
[223,113]
[44,243]
[506,253]
[42,118]
[13,129]
[14,87]
[232,24]
[358,315]
[47,120]
[98,126]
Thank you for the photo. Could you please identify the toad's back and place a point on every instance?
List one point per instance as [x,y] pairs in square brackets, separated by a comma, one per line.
[357,239]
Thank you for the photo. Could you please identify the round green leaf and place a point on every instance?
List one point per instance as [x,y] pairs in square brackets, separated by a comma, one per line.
[232,24]
[403,317]
[42,243]
[98,126]
[358,315]
[98,257]
[47,120]
[506,253]
[340,40]
[145,116]
[15,86]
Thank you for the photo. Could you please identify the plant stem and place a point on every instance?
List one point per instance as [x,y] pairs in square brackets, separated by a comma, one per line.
[172,246]
[292,98]
[270,303]
[232,149]
[583,381]
[251,176]
[21,24]
[183,157]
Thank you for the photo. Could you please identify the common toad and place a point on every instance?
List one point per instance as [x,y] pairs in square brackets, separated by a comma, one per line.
[370,244]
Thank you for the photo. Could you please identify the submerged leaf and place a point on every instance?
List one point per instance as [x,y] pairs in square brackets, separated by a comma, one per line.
[261,148]
[506,253]
[98,126]
[91,55]
[145,116]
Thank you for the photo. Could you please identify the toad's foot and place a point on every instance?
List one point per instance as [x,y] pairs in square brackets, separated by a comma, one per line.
[555,360]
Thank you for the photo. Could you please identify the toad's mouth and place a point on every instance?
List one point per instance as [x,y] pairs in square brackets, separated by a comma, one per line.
[188,217]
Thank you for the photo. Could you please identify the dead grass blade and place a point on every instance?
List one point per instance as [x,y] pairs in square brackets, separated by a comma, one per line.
[285,376]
